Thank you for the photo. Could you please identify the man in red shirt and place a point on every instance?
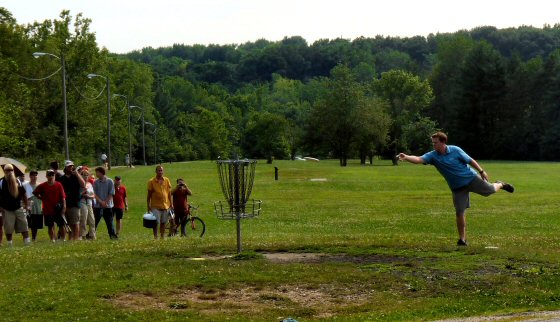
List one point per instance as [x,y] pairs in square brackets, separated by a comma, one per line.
[120,203]
[180,204]
[52,193]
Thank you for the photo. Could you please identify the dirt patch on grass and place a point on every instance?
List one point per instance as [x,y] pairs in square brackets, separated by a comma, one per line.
[337,258]
[287,258]
[294,257]
[320,302]
[316,301]
[413,277]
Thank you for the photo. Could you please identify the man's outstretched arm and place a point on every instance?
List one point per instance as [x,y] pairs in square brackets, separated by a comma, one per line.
[410,158]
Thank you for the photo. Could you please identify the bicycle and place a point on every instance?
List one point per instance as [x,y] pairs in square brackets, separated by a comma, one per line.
[196,224]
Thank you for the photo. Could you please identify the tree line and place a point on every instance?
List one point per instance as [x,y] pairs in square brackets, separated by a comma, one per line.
[494,91]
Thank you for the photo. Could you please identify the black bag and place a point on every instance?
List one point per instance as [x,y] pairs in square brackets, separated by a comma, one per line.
[58,208]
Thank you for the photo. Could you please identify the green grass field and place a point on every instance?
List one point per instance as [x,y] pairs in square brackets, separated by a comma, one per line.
[374,243]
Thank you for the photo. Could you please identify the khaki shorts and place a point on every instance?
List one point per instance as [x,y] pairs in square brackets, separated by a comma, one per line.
[461,199]
[162,215]
[73,215]
[15,220]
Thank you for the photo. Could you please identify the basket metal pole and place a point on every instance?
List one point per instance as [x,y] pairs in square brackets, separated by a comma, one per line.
[238,222]
[237,207]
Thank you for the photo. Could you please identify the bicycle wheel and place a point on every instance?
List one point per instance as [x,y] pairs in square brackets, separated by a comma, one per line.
[196,226]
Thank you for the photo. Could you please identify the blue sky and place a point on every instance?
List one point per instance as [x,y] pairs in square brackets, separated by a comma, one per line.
[125,25]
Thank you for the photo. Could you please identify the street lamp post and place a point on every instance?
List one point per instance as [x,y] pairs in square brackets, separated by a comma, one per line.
[63,66]
[129,136]
[108,117]
[155,141]
[143,138]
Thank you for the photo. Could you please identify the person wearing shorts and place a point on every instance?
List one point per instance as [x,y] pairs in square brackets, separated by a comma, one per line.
[456,167]
[73,184]
[120,202]
[159,200]
[12,196]
[35,205]
[53,198]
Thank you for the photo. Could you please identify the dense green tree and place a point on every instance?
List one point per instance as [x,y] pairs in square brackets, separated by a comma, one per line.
[445,80]
[82,56]
[176,95]
[265,137]
[211,137]
[372,127]
[333,116]
[408,97]
[520,123]
[346,117]
[415,135]
[16,98]
[482,82]
[390,59]
[550,110]
[364,72]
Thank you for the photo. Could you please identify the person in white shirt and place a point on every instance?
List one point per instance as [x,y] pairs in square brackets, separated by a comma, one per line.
[87,219]
[35,205]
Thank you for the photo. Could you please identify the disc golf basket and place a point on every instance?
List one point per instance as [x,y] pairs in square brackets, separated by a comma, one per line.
[236,179]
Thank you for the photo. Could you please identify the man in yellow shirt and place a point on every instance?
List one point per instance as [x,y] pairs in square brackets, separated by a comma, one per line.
[159,200]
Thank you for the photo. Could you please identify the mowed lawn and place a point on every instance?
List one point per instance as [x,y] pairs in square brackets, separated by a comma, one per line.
[347,244]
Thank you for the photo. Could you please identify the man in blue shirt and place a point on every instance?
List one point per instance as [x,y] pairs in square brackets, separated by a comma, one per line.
[104,190]
[453,164]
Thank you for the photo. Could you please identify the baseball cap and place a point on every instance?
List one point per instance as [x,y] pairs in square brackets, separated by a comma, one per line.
[68,163]
[50,172]
[117,177]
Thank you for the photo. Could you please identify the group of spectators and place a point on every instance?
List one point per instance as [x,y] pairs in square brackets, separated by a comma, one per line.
[73,200]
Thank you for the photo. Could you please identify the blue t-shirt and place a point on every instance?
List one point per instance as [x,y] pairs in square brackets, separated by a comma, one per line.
[453,166]
[102,189]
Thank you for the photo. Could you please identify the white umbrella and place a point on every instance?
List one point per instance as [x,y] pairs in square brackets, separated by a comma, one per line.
[19,167]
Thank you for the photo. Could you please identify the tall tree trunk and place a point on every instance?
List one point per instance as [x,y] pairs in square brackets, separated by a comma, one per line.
[343,159]
[363,157]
